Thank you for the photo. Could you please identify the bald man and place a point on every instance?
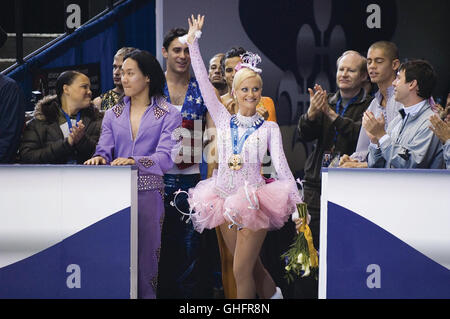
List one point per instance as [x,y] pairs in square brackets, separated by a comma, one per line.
[334,122]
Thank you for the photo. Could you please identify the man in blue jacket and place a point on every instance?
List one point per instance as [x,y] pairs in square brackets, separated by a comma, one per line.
[12,114]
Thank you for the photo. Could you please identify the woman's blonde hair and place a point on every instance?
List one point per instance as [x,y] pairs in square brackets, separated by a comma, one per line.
[244,74]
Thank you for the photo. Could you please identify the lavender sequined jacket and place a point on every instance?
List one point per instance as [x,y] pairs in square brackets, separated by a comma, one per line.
[154,143]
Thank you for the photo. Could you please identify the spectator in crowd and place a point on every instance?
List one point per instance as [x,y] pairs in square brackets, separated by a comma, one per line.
[66,126]
[216,75]
[382,64]
[408,141]
[230,60]
[12,114]
[334,120]
[217,79]
[443,111]
[442,130]
[184,263]
[140,131]
[110,98]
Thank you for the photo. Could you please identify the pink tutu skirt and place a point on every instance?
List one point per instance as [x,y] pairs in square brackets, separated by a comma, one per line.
[266,207]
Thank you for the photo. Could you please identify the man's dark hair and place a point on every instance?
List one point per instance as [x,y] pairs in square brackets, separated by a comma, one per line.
[233,52]
[150,67]
[171,35]
[423,73]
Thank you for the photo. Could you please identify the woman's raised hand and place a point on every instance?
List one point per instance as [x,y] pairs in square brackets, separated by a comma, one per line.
[195,24]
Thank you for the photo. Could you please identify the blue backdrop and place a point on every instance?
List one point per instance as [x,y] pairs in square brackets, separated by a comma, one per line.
[130,24]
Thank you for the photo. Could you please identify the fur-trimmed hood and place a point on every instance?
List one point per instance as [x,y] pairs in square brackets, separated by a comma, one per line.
[47,109]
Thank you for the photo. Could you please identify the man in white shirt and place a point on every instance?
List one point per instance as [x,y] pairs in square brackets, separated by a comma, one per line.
[408,141]
[382,64]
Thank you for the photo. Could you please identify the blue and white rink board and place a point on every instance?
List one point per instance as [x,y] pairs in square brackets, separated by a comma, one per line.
[68,231]
[385,234]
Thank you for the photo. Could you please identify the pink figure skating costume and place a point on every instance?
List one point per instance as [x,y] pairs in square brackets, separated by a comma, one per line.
[241,197]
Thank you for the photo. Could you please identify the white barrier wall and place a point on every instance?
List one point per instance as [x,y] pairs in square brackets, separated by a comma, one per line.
[68,231]
[385,233]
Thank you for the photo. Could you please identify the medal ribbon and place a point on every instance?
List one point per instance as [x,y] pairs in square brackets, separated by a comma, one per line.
[69,122]
[338,110]
[338,105]
[238,143]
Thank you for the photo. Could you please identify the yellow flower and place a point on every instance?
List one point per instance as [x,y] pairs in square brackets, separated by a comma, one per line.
[299,258]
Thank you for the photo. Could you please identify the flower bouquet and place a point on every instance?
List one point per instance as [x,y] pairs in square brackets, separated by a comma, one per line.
[302,258]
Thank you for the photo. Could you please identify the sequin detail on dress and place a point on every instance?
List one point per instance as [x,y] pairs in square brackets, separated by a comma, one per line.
[160,108]
[146,162]
[150,182]
[118,109]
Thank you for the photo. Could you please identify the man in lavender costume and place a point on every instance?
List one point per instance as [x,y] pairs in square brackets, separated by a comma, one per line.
[140,130]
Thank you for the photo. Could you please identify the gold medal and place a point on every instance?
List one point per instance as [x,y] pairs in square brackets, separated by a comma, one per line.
[235,162]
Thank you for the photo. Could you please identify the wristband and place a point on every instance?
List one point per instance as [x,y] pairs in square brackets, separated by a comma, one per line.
[183,39]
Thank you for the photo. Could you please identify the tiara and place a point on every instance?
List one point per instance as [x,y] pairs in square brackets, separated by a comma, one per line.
[249,60]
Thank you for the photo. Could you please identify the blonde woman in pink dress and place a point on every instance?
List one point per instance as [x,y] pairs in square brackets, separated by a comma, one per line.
[237,198]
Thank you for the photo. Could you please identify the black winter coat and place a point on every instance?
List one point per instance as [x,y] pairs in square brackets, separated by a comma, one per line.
[324,131]
[43,141]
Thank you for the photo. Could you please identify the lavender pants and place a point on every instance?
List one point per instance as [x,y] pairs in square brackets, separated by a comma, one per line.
[150,217]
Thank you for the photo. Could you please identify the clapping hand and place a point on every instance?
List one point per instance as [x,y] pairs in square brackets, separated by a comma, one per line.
[317,99]
[76,133]
[440,128]
[327,110]
[374,126]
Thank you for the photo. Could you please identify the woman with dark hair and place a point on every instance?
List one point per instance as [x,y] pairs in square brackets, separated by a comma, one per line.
[139,131]
[66,126]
